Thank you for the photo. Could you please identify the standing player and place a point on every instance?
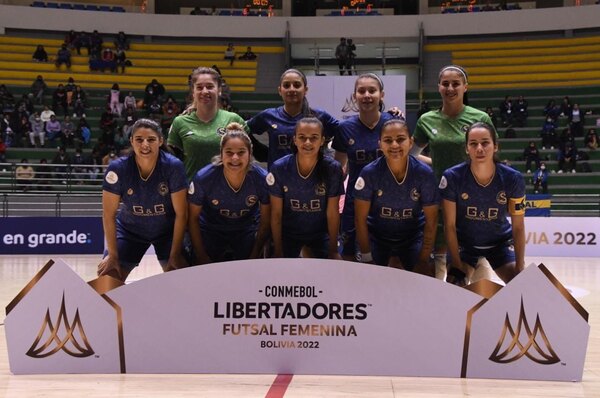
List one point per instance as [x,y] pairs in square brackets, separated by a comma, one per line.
[478,195]
[279,123]
[397,202]
[195,137]
[305,189]
[229,211]
[443,130]
[356,145]
[151,185]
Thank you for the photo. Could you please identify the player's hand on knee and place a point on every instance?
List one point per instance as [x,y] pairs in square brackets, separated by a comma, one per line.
[456,276]
[109,266]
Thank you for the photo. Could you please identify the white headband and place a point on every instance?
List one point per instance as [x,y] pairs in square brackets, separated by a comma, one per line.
[456,68]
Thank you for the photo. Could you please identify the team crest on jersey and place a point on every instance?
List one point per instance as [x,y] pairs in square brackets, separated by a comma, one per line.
[415,195]
[274,126]
[351,141]
[189,134]
[443,183]
[464,128]
[215,202]
[111,177]
[285,188]
[251,200]
[163,188]
[130,192]
[270,179]
[380,193]
[501,198]
[221,131]
[464,196]
[191,189]
[434,131]
[360,184]
[320,189]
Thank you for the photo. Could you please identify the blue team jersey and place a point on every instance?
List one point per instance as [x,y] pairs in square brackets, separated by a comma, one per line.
[482,211]
[396,212]
[360,144]
[223,208]
[304,199]
[280,126]
[146,211]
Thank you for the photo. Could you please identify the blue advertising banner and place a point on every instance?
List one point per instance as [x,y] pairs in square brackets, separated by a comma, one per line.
[51,235]
[538,205]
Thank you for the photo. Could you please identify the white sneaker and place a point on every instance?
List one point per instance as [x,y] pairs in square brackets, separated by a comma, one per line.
[551,147]
[573,171]
[74,115]
[528,171]
[560,171]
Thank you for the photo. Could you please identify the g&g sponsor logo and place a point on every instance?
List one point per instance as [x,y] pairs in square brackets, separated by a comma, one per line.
[34,240]
[299,324]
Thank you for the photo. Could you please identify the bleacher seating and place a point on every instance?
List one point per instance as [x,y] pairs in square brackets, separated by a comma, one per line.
[77,6]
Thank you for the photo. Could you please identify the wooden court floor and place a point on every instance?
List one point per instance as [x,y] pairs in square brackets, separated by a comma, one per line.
[580,275]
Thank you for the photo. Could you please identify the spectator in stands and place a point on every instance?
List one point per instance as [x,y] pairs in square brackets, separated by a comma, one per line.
[108,59]
[38,87]
[46,114]
[62,163]
[115,100]
[96,41]
[548,134]
[59,99]
[492,116]
[552,110]
[108,125]
[7,130]
[83,40]
[40,54]
[121,141]
[155,111]
[576,120]
[510,133]
[79,102]
[507,111]
[83,133]
[71,40]
[566,107]
[26,101]
[121,60]
[248,55]
[2,153]
[53,129]
[341,54]
[37,130]
[20,111]
[540,178]
[229,54]
[170,110]
[70,88]
[591,139]
[423,108]
[79,170]
[23,130]
[42,171]
[225,92]
[351,48]
[521,112]
[129,102]
[567,155]
[127,127]
[122,42]
[67,129]
[110,157]
[531,154]
[7,101]
[94,162]
[24,175]
[566,137]
[63,56]
[153,91]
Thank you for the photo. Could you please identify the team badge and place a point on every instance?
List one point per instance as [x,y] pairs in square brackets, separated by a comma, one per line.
[221,131]
[163,189]
[189,134]
[380,193]
[360,184]
[415,195]
[270,179]
[351,141]
[320,189]
[215,202]
[191,189]
[464,128]
[464,196]
[285,188]
[443,183]
[111,177]
[130,192]
[274,126]
[434,131]
[251,200]
[501,198]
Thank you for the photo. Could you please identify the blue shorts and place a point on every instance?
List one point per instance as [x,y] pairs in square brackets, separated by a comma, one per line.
[497,256]
[407,252]
[229,246]
[131,249]
[319,246]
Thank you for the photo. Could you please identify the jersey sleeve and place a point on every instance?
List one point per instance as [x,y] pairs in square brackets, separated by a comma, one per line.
[274,183]
[261,185]
[196,193]
[447,187]
[114,177]
[177,176]
[340,143]
[330,124]
[420,134]
[516,196]
[364,186]
[174,138]
[336,180]
[256,125]
[430,194]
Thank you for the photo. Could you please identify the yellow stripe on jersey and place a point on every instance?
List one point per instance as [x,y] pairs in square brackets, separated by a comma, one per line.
[516,206]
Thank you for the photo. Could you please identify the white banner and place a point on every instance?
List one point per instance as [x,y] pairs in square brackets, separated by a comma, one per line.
[334,93]
[562,236]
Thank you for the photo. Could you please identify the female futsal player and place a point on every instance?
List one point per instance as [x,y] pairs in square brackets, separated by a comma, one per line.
[478,195]
[305,188]
[151,185]
[396,203]
[229,211]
